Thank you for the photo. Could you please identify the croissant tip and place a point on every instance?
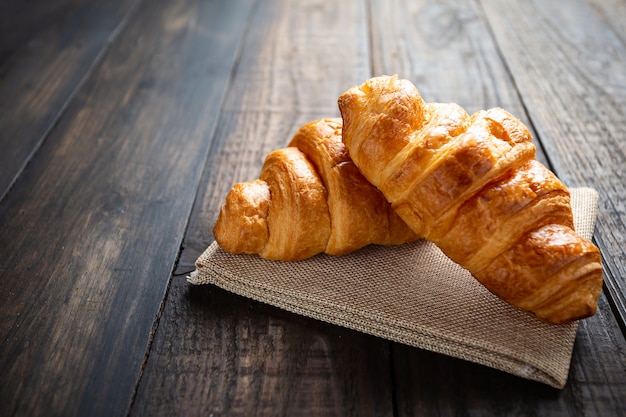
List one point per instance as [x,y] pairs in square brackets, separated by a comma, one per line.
[584,310]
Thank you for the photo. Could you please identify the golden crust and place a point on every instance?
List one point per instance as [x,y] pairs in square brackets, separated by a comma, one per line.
[309,198]
[242,224]
[298,219]
[359,213]
[471,185]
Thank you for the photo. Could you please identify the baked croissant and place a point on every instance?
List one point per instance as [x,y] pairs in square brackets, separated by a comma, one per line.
[309,198]
[471,185]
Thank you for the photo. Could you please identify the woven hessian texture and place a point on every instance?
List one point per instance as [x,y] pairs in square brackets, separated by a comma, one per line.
[412,294]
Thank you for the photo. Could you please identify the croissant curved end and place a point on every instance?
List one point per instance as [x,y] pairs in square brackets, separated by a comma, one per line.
[241,226]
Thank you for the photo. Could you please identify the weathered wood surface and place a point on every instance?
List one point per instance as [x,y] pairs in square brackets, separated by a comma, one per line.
[91,230]
[47,50]
[133,119]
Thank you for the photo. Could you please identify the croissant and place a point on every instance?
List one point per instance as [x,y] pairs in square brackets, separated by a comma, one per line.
[471,185]
[309,198]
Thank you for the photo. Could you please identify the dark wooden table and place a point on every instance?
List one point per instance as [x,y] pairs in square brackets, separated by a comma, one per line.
[124,123]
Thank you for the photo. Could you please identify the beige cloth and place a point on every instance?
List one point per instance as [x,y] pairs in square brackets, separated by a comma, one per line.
[412,294]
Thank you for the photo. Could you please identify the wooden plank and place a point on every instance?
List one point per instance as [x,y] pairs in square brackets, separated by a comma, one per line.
[46,51]
[220,354]
[19,21]
[226,355]
[447,49]
[90,232]
[570,65]
[611,13]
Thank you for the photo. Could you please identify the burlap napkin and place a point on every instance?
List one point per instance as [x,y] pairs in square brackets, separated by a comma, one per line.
[412,294]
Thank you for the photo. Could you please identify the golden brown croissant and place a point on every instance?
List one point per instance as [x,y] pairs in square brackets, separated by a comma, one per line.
[309,198]
[471,185]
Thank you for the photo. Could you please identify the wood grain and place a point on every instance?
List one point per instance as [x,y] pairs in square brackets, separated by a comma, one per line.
[240,357]
[226,355]
[90,232]
[569,64]
[46,51]
[610,13]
